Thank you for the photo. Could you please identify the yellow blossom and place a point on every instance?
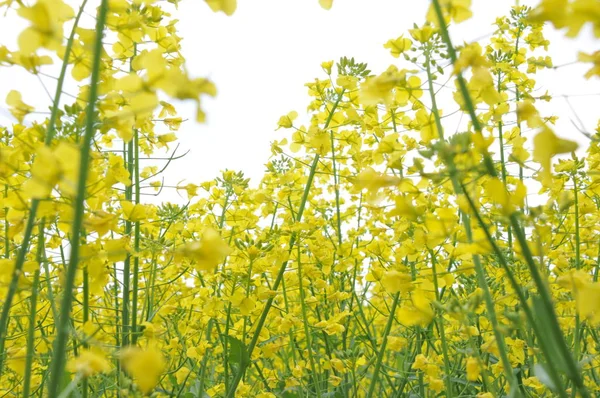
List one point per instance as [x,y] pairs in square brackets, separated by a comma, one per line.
[89,363]
[398,46]
[208,252]
[546,145]
[144,365]
[18,108]
[226,6]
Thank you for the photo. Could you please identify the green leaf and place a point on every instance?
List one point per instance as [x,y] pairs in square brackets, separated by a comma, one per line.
[238,353]
[544,322]
[539,370]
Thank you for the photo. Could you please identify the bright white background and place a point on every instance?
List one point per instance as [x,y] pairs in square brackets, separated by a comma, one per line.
[261,57]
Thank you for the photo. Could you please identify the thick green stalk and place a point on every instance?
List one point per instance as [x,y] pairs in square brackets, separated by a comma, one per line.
[574,373]
[522,299]
[20,260]
[489,303]
[479,270]
[58,361]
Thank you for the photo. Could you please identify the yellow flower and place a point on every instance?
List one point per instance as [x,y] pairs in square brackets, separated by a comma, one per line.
[51,167]
[473,369]
[587,297]
[326,4]
[144,365]
[182,374]
[46,30]
[378,89]
[568,14]
[395,343]
[16,359]
[243,303]
[422,34]
[191,190]
[594,58]
[89,362]
[398,46]
[546,145]
[287,120]
[208,252]
[226,6]
[327,66]
[471,56]
[420,362]
[18,108]
[371,180]
[455,10]
[394,282]
[133,212]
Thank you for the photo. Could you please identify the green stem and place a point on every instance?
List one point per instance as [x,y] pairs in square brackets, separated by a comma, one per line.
[573,369]
[136,241]
[379,360]
[31,335]
[440,326]
[578,330]
[58,361]
[127,263]
[479,270]
[574,373]
[306,329]
[279,278]
[503,162]
[522,299]
[12,289]
[86,317]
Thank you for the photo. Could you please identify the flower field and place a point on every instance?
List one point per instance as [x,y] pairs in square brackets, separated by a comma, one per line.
[422,231]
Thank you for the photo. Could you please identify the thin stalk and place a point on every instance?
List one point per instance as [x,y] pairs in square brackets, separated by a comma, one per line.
[31,334]
[306,329]
[440,321]
[136,240]
[503,162]
[129,162]
[337,192]
[127,263]
[225,341]
[379,360]
[58,361]
[86,317]
[279,278]
[577,336]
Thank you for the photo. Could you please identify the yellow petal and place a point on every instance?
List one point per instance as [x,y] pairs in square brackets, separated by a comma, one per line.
[326,4]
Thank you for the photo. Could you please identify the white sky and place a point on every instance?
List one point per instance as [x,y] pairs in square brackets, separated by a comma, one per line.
[261,57]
